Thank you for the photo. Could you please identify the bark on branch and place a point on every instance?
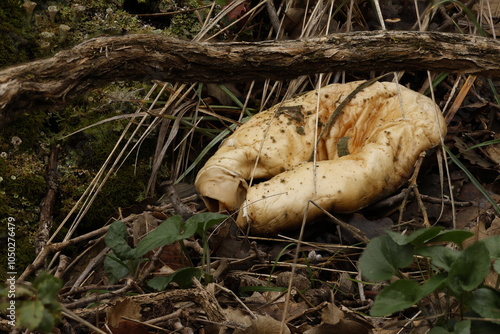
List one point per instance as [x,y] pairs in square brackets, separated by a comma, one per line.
[102,60]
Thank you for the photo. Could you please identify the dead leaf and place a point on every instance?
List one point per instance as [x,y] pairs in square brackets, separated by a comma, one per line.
[124,307]
[264,324]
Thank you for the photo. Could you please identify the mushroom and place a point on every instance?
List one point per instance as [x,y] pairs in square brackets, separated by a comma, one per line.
[366,154]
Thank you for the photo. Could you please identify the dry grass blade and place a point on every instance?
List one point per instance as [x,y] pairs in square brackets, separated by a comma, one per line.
[457,103]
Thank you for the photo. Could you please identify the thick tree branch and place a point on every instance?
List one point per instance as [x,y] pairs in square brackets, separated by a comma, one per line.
[102,60]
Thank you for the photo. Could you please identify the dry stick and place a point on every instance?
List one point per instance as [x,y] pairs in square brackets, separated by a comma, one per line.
[47,204]
[237,299]
[76,317]
[273,16]
[91,299]
[464,91]
[357,233]
[90,266]
[307,311]
[171,315]
[64,261]
[151,265]
[149,57]
[413,187]
[52,248]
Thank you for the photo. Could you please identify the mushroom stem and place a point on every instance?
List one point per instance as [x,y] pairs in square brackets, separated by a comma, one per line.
[52,13]
[29,6]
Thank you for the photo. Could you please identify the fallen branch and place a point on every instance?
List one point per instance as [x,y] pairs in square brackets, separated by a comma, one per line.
[102,60]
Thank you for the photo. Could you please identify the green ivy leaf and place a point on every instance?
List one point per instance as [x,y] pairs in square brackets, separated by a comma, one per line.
[396,297]
[183,277]
[116,239]
[455,236]
[48,286]
[442,257]
[434,283]
[30,314]
[493,245]
[166,233]
[416,238]
[469,269]
[203,221]
[462,327]
[486,302]
[48,321]
[115,268]
[382,257]
[496,266]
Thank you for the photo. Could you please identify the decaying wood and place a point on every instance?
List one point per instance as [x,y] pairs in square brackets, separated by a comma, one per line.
[102,60]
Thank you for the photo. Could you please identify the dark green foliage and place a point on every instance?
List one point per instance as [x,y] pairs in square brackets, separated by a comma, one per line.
[124,260]
[37,307]
[457,272]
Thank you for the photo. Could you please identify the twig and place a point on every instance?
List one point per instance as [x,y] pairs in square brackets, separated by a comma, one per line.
[47,204]
[435,200]
[63,265]
[357,233]
[273,16]
[52,248]
[94,261]
[414,187]
[91,299]
[307,311]
[237,299]
[76,317]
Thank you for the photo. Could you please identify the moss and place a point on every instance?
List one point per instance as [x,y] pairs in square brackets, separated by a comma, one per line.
[18,43]
[22,187]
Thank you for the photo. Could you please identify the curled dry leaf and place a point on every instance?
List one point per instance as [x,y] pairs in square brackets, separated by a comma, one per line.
[367,153]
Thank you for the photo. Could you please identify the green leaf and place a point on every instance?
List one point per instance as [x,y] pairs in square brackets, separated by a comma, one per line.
[441,256]
[382,257]
[496,266]
[30,314]
[203,221]
[49,320]
[48,286]
[183,277]
[115,268]
[462,327]
[434,283]
[396,297]
[455,236]
[116,239]
[469,269]
[493,245]
[166,233]
[486,302]
[416,238]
